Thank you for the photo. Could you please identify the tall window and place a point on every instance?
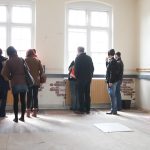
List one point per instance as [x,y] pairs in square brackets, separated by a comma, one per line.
[17,25]
[88,25]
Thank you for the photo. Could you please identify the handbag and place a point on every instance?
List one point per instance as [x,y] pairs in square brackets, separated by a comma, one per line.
[43,78]
[72,73]
[28,77]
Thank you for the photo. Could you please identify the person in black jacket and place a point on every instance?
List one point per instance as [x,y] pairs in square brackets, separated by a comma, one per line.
[112,79]
[84,72]
[4,87]
[120,76]
[73,87]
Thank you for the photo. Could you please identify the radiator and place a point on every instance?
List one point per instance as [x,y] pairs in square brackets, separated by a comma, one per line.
[98,93]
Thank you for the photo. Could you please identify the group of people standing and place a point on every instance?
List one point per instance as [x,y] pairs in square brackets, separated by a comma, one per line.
[80,76]
[114,76]
[13,74]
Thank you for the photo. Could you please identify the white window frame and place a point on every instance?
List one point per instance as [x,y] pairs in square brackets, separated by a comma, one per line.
[89,7]
[10,4]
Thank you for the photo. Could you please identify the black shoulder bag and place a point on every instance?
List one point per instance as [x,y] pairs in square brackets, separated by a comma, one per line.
[29,79]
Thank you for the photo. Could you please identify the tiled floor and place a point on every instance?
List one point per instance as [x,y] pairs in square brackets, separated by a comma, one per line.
[64,130]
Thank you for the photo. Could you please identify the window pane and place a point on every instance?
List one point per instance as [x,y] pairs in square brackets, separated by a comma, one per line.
[21,38]
[3,38]
[71,57]
[99,68]
[3,14]
[99,62]
[99,41]
[21,53]
[76,37]
[21,15]
[99,57]
[77,17]
[99,19]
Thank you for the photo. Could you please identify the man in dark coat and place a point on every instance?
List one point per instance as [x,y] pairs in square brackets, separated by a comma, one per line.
[84,72]
[112,79]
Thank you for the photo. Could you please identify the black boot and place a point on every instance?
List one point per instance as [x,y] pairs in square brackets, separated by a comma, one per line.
[22,117]
[16,118]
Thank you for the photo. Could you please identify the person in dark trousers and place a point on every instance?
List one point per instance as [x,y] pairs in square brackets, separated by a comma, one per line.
[4,87]
[73,87]
[120,76]
[112,79]
[84,72]
[36,71]
[13,70]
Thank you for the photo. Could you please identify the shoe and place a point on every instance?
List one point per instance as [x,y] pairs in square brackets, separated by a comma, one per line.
[38,110]
[2,116]
[109,113]
[21,119]
[114,113]
[87,112]
[28,113]
[15,120]
[79,112]
[34,114]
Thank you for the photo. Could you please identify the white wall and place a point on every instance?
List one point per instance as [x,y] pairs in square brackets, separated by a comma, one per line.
[50,34]
[144,33]
[50,25]
[143,94]
[143,86]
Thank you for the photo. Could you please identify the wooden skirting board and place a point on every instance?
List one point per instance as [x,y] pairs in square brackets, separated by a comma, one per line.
[143,69]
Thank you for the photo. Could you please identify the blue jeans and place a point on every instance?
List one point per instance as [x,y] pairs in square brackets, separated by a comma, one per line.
[118,95]
[19,88]
[74,95]
[113,99]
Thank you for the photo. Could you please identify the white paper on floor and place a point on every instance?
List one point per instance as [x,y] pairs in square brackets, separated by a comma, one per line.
[112,127]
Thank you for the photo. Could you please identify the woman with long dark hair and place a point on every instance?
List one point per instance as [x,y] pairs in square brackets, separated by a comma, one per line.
[14,71]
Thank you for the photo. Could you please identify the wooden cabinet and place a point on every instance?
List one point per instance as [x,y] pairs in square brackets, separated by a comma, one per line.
[9,98]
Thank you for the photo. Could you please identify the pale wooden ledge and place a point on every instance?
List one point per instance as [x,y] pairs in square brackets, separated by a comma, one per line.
[143,69]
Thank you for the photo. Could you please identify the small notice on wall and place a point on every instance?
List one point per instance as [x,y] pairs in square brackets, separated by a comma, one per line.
[128,90]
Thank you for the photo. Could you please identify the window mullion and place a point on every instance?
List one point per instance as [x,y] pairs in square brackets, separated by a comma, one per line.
[110,29]
[33,39]
[77,27]
[8,26]
[88,33]
[20,25]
